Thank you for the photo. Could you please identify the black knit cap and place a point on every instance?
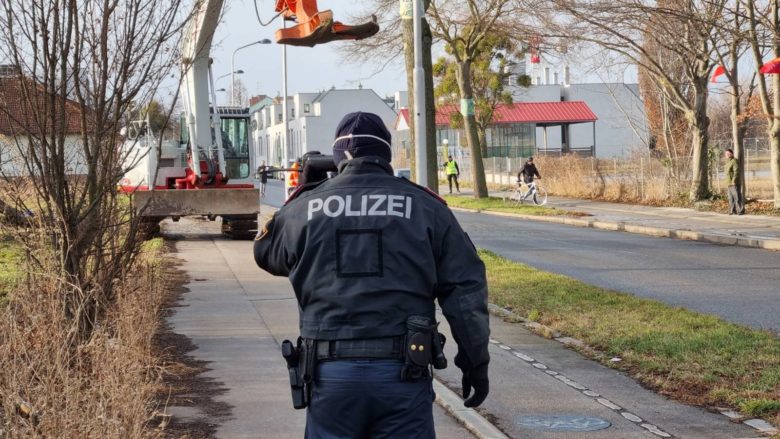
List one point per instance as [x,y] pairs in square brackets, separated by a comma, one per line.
[357,124]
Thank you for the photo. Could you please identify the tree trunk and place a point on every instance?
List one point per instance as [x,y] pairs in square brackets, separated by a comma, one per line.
[700,185]
[738,135]
[470,127]
[774,123]
[774,130]
[482,136]
[774,136]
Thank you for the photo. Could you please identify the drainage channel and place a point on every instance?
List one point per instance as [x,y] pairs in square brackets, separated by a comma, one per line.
[574,423]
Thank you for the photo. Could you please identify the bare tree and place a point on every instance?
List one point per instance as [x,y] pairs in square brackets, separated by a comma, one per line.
[730,43]
[463,27]
[646,34]
[394,40]
[763,22]
[490,77]
[81,64]
[240,93]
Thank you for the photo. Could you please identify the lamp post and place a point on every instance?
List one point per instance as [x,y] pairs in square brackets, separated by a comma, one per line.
[419,96]
[237,72]
[285,125]
[219,90]
[233,68]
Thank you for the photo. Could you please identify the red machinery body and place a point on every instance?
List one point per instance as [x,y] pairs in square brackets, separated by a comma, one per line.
[317,27]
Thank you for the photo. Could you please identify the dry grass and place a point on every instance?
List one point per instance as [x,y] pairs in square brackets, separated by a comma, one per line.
[639,180]
[104,388]
[633,180]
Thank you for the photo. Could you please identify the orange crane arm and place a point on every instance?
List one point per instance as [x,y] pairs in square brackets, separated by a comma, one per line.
[317,27]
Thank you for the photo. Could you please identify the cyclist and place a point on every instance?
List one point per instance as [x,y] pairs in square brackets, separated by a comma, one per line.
[528,171]
[526,175]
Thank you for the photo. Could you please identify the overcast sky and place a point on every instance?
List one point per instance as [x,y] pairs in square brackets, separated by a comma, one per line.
[309,69]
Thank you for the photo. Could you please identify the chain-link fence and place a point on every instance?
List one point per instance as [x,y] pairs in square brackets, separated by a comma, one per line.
[640,177]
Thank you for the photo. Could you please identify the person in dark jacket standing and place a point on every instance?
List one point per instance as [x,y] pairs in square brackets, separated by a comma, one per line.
[528,171]
[736,202]
[367,253]
[262,172]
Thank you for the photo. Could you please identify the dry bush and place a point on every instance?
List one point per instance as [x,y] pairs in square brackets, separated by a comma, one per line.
[637,179]
[102,388]
[571,176]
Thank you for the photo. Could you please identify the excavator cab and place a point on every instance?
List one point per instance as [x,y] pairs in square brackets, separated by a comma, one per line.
[317,27]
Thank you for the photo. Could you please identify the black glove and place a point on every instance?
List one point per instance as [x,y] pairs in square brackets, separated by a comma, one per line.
[476,378]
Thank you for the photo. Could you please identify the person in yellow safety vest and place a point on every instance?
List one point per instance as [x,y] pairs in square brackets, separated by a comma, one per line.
[453,172]
[292,177]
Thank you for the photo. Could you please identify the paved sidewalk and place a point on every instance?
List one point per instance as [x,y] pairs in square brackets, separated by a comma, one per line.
[759,231]
[237,315]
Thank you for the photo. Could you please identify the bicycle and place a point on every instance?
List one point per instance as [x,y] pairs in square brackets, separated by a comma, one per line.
[523,191]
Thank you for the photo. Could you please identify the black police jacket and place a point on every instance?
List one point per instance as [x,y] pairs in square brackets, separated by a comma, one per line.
[365,250]
[528,172]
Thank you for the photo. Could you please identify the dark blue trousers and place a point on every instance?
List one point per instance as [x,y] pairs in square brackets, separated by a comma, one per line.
[366,399]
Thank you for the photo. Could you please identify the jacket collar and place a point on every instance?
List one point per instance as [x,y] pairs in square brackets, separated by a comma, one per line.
[367,164]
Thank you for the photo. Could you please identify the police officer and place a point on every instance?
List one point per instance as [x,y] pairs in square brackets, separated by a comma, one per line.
[365,251]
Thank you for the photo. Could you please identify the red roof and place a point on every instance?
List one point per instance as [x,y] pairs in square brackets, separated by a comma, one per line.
[530,112]
[18,114]
[404,112]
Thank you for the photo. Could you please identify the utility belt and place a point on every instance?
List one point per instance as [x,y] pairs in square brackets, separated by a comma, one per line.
[420,348]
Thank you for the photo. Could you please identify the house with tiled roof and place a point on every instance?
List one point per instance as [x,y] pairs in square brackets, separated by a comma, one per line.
[20,122]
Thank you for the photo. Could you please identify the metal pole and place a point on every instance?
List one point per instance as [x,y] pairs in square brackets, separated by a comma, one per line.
[285,148]
[419,97]
[747,173]
[233,78]
[233,68]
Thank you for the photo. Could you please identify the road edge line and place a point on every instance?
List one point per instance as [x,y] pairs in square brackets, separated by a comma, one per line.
[758,424]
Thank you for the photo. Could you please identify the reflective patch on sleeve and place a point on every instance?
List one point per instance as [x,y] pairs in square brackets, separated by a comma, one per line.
[263,232]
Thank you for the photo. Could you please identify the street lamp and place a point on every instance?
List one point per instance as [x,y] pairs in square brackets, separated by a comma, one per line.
[219,90]
[233,68]
[237,72]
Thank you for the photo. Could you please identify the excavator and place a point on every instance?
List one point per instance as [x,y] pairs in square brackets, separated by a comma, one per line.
[208,171]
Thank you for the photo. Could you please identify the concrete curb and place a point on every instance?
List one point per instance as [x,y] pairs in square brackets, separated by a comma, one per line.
[690,235]
[470,418]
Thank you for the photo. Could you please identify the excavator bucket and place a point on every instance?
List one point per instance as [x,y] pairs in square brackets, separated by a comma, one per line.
[317,27]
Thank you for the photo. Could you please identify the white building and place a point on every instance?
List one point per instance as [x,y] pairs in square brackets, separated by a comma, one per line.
[622,124]
[621,127]
[312,121]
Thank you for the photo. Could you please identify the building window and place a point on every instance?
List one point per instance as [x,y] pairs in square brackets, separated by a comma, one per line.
[292,112]
[306,108]
[279,118]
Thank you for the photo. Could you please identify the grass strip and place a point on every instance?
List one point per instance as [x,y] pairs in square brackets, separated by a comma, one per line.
[10,257]
[497,204]
[696,358]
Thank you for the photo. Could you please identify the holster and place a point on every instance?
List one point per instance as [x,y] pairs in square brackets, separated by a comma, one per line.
[423,348]
[301,363]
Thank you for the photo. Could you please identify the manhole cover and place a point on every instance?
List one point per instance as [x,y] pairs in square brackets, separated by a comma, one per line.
[563,423]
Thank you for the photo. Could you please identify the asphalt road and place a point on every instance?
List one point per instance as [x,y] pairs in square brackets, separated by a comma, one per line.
[739,284]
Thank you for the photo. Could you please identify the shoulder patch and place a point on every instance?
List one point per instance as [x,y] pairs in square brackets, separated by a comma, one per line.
[425,189]
[303,189]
